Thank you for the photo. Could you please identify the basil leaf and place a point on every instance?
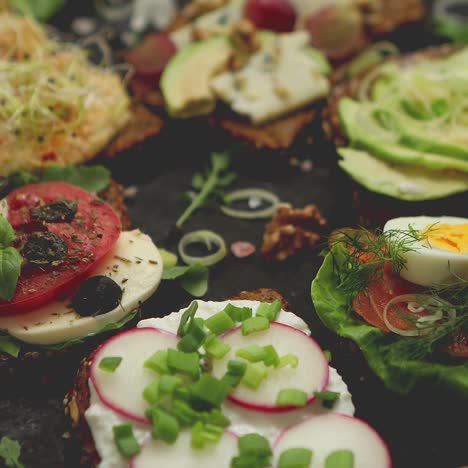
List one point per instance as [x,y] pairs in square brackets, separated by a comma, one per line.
[193,278]
[10,269]
[41,10]
[9,346]
[7,234]
[94,179]
[91,178]
[10,451]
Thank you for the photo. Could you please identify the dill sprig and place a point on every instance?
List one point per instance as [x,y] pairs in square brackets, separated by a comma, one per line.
[367,252]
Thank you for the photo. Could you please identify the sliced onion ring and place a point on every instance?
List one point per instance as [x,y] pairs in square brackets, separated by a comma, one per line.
[371,57]
[244,194]
[208,238]
[423,323]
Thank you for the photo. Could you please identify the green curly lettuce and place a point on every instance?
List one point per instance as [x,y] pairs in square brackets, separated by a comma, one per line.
[402,363]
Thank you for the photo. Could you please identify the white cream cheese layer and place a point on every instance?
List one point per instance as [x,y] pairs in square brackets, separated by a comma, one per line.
[280,78]
[101,419]
[134,264]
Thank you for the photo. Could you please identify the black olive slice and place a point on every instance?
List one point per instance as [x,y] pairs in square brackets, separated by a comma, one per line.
[56,212]
[44,248]
[97,295]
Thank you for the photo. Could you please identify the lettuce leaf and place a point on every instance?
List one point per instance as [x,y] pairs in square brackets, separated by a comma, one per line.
[402,365]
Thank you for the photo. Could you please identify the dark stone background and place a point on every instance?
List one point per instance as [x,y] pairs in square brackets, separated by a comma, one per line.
[424,430]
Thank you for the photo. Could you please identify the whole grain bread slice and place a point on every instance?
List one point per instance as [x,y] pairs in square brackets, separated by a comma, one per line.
[77,400]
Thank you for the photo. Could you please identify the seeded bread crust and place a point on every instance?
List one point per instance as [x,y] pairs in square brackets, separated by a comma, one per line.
[77,400]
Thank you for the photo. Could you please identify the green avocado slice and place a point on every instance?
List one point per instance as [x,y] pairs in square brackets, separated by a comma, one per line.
[395,152]
[403,181]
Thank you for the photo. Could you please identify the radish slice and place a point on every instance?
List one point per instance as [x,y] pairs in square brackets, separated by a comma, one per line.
[122,390]
[158,454]
[327,433]
[311,374]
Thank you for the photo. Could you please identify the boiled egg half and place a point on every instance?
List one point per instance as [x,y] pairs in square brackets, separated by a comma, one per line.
[439,255]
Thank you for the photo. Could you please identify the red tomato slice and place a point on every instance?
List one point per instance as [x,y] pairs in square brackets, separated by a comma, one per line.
[89,236]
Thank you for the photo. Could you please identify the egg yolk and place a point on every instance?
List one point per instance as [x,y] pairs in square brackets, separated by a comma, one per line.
[451,237]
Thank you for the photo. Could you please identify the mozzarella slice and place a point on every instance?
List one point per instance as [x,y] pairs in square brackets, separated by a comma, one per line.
[134,264]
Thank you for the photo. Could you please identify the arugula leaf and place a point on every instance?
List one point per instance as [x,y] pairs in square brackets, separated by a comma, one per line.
[7,233]
[109,327]
[402,363]
[216,179]
[41,10]
[91,178]
[193,278]
[9,346]
[10,451]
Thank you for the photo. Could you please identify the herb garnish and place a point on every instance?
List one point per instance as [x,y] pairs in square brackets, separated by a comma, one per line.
[212,183]
[10,451]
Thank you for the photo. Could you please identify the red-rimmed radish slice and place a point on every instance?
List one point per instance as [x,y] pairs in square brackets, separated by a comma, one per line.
[159,454]
[275,15]
[122,390]
[327,433]
[311,374]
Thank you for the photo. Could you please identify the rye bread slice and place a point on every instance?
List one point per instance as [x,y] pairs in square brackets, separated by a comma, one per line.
[78,398]
[344,87]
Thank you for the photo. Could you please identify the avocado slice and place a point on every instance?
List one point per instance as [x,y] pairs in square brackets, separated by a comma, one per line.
[395,152]
[402,181]
[185,82]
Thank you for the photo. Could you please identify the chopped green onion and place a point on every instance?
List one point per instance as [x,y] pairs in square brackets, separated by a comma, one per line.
[151,392]
[202,433]
[182,393]
[208,238]
[271,356]
[158,362]
[254,375]
[295,458]
[210,390]
[215,347]
[165,425]
[254,324]
[249,461]
[125,440]
[254,444]
[269,311]
[185,363]
[184,413]
[244,194]
[235,372]
[216,418]
[252,353]
[328,398]
[219,323]
[194,337]
[110,363]
[238,314]
[291,397]
[340,459]
[186,318]
[168,383]
[328,355]
[288,360]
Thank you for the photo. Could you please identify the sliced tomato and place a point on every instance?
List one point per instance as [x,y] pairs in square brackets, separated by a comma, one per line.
[89,236]
[458,346]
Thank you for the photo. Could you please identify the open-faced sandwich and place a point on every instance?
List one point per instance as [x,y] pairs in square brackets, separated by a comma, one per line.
[401,132]
[236,383]
[254,67]
[56,106]
[402,296]
[68,271]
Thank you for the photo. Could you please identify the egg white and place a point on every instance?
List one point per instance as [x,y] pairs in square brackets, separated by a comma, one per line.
[428,265]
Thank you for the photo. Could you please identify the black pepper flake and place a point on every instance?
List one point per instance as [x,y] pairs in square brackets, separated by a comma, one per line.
[55,212]
[153,262]
[45,248]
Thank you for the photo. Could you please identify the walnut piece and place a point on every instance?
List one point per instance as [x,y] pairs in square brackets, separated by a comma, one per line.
[291,230]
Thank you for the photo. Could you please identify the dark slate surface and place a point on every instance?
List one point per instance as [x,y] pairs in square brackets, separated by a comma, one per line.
[422,431]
